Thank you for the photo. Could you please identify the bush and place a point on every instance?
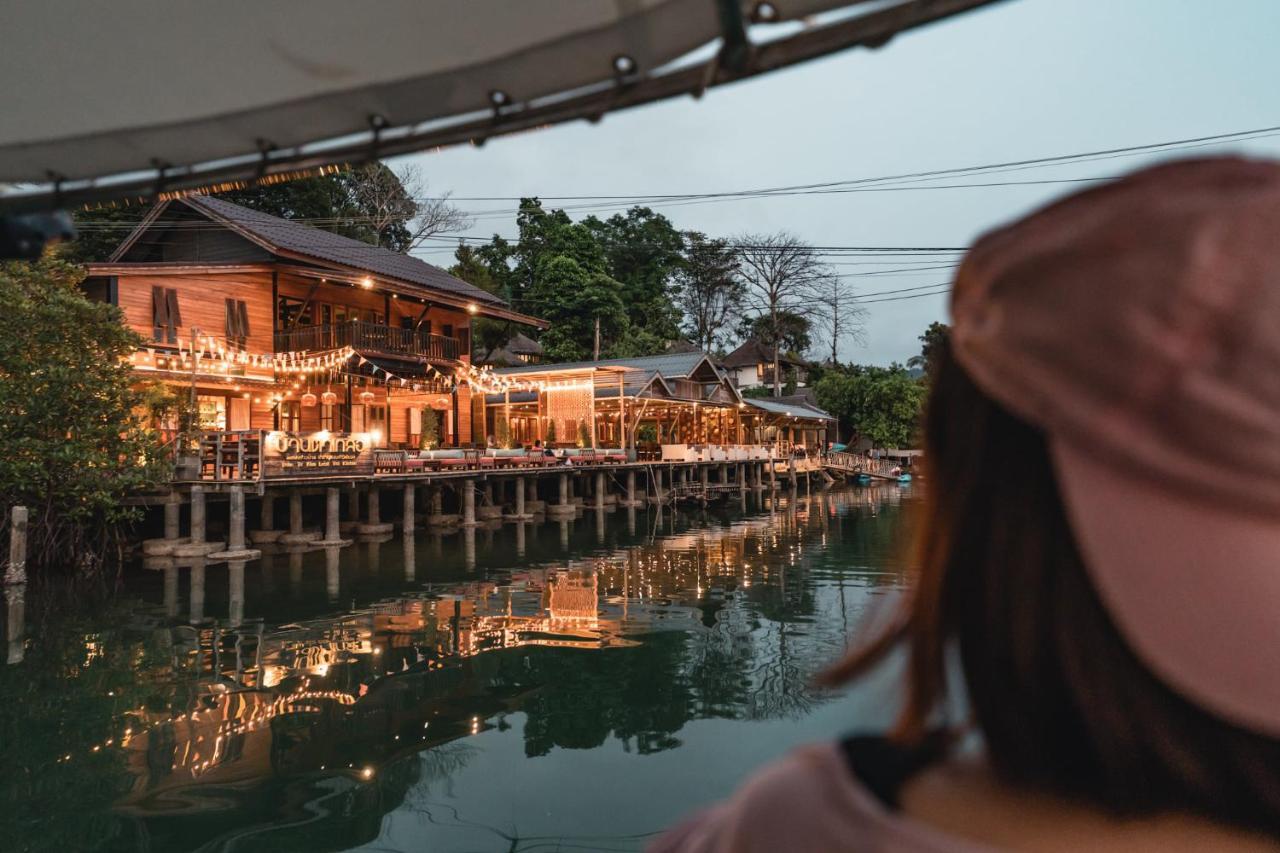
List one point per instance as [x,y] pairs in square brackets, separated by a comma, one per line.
[75,438]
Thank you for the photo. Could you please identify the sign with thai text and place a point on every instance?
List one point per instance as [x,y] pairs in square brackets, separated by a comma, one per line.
[299,453]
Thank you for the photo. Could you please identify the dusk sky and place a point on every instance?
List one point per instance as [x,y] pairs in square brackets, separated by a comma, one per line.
[1022,79]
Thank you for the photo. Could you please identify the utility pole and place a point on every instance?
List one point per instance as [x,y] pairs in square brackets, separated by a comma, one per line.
[596,352]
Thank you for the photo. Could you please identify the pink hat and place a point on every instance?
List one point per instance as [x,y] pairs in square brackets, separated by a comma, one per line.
[1138,325]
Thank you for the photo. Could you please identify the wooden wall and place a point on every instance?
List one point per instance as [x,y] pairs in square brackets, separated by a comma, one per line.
[202,303]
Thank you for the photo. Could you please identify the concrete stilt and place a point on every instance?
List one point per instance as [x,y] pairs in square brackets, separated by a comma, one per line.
[333,519]
[172,530]
[266,531]
[741,474]
[351,520]
[724,474]
[436,517]
[410,501]
[706,477]
[297,535]
[565,506]
[236,548]
[469,507]
[197,546]
[630,499]
[373,525]
[520,509]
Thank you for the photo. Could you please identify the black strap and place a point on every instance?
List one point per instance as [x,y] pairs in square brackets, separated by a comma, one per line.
[883,766]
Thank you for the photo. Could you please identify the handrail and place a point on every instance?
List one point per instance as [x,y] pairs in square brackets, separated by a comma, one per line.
[369,337]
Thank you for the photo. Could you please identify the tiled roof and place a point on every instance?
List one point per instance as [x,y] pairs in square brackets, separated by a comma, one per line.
[327,246]
[753,352]
[776,407]
[674,365]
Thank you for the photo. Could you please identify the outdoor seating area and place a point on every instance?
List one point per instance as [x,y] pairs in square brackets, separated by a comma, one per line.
[391,461]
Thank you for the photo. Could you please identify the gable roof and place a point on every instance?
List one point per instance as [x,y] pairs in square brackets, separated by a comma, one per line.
[800,410]
[303,242]
[753,352]
[672,365]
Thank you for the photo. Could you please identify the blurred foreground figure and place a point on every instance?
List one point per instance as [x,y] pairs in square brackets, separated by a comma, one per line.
[1100,554]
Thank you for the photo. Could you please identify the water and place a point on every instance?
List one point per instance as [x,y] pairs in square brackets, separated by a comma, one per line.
[549,687]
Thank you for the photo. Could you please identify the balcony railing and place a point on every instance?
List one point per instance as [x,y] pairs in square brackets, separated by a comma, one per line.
[371,338]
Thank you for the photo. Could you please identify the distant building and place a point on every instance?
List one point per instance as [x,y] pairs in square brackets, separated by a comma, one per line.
[519,349]
[751,366]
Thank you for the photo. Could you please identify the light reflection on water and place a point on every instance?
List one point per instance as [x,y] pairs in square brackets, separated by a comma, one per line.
[581,683]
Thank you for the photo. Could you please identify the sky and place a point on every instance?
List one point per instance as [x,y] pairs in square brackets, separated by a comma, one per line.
[1018,80]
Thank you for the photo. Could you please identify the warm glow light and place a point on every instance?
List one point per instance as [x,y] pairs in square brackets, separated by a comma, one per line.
[366,282]
[472,308]
[366,773]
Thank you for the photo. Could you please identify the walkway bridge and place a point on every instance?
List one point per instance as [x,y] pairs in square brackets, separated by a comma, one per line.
[857,465]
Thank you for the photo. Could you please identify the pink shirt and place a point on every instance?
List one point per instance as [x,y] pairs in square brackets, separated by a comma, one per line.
[809,800]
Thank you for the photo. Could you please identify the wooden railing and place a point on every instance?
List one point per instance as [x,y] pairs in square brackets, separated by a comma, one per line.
[368,337]
[234,455]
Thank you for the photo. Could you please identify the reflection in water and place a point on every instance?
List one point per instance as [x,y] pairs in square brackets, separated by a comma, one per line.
[263,720]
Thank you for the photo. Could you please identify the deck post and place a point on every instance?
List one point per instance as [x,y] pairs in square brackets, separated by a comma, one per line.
[469,509]
[333,519]
[488,493]
[706,478]
[410,495]
[267,511]
[16,571]
[742,479]
[295,512]
[373,511]
[724,473]
[437,500]
[565,507]
[236,549]
[172,517]
[197,514]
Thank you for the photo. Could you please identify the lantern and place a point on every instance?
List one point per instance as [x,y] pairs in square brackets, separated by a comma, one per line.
[366,397]
[328,398]
[308,399]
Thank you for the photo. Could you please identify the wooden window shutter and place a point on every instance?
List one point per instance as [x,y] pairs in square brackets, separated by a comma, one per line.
[232,320]
[175,316]
[159,313]
[243,311]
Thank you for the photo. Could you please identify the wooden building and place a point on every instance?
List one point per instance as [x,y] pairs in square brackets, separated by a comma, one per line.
[280,326]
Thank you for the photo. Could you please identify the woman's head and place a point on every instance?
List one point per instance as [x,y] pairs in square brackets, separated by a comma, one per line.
[1081,551]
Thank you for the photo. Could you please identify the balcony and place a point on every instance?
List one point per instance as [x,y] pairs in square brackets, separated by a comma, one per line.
[371,338]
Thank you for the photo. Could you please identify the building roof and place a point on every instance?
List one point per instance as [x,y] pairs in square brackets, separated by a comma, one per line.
[753,352]
[774,406]
[672,365]
[282,234]
[522,344]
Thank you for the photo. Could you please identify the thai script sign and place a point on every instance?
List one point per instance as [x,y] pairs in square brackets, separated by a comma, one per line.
[315,452]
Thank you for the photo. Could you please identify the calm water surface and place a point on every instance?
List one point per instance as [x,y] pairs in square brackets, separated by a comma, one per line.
[571,687]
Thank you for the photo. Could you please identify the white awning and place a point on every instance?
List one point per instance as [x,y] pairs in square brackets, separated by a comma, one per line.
[156,94]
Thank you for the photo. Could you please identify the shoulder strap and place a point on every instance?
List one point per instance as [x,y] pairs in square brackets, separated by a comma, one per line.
[883,766]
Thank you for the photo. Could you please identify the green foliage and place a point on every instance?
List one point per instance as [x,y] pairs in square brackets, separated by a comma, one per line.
[643,251]
[932,343]
[880,404]
[647,432]
[793,331]
[430,437]
[99,231]
[709,290]
[503,433]
[584,434]
[572,297]
[472,267]
[551,432]
[75,441]
[757,392]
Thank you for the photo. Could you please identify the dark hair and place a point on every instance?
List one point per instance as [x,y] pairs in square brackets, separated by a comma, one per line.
[1060,699]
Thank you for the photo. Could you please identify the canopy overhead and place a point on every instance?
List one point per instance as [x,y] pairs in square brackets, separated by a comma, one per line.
[140,97]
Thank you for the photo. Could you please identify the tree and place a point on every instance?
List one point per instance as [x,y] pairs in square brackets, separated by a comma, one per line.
[780,271]
[790,332]
[708,290]
[933,342]
[398,207]
[75,444]
[841,318]
[573,299]
[880,404]
[643,252]
[472,267]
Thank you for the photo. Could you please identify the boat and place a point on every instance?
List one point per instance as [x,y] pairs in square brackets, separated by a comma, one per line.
[904,478]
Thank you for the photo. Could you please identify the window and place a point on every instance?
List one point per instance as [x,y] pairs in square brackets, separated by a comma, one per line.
[165,317]
[289,416]
[376,422]
[333,417]
[211,412]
